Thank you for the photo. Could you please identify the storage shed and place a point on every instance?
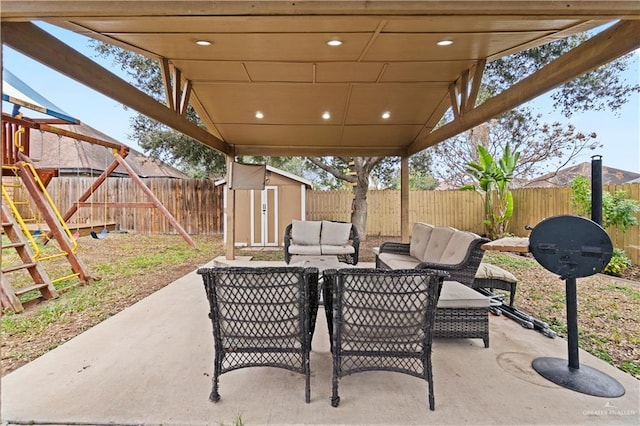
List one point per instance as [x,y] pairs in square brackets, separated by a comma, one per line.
[262,216]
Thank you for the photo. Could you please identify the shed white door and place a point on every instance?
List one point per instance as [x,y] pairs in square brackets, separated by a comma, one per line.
[264,217]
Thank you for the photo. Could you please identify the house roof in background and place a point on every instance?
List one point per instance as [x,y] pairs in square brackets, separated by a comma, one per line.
[610,176]
[72,156]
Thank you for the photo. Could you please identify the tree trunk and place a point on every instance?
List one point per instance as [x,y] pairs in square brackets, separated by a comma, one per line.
[359,209]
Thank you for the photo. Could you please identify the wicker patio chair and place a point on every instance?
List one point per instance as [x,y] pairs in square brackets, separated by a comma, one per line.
[383,320]
[261,317]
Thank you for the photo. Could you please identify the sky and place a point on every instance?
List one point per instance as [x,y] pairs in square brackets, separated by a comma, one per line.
[619,133]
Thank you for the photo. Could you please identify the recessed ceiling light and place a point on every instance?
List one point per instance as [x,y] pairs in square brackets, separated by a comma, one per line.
[386,115]
[203,42]
[445,43]
[334,42]
[259,115]
[326,115]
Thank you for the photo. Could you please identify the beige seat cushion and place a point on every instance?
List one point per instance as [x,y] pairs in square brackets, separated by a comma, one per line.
[440,236]
[305,250]
[488,271]
[398,261]
[305,232]
[334,233]
[420,235]
[457,295]
[457,248]
[331,250]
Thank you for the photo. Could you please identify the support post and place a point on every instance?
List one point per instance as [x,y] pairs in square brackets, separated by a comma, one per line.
[231,215]
[404,199]
[596,189]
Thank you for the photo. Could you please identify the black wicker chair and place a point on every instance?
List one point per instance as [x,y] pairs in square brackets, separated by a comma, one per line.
[261,317]
[383,320]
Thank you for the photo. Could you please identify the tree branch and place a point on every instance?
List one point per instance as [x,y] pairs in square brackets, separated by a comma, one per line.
[333,170]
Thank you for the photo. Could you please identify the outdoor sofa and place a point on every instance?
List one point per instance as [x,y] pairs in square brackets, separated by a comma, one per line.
[436,247]
[321,238]
[462,313]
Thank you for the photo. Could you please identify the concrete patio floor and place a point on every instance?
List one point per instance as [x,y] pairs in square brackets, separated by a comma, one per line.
[152,364]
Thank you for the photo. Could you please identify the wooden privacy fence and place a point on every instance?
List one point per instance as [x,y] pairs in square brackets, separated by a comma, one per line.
[463,210]
[196,204]
[198,207]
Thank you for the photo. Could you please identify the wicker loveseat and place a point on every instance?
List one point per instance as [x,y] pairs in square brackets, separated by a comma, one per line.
[436,247]
[321,238]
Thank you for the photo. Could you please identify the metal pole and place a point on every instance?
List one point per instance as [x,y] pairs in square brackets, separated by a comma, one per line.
[596,189]
[572,323]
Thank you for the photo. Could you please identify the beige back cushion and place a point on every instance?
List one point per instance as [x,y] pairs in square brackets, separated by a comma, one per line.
[306,232]
[334,233]
[457,248]
[419,239]
[440,236]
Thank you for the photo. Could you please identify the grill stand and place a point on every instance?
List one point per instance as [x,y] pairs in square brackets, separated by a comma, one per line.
[572,376]
[573,247]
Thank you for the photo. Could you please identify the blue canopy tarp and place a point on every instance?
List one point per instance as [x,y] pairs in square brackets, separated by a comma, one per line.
[19,93]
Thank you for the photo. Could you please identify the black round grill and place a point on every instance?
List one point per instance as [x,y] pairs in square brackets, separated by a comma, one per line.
[571,246]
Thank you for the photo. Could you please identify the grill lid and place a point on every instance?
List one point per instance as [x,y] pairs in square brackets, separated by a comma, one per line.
[571,246]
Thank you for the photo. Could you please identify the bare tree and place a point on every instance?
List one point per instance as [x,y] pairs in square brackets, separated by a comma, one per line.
[359,177]
[543,147]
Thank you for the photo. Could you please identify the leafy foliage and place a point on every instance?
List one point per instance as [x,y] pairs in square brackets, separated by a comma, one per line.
[598,90]
[618,263]
[617,210]
[495,178]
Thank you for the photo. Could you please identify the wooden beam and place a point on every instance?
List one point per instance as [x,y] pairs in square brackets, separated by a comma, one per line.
[464,91]
[404,199]
[17,9]
[184,98]
[606,46]
[44,125]
[320,150]
[165,69]
[39,45]
[92,188]
[453,97]
[176,80]
[116,205]
[478,72]
[79,136]
[157,204]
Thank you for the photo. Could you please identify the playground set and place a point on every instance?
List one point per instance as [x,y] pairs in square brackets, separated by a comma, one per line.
[32,225]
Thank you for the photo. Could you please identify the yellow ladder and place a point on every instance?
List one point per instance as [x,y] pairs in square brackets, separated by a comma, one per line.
[9,297]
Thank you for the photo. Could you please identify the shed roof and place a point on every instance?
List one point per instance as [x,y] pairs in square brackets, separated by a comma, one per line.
[277,171]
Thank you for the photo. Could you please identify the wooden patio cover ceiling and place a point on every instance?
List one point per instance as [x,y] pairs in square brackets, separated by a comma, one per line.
[273,57]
